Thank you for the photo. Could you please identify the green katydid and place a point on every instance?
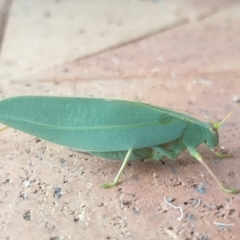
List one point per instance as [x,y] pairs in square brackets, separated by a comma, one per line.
[114,129]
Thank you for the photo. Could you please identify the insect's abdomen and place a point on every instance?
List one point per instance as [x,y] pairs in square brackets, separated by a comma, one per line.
[137,154]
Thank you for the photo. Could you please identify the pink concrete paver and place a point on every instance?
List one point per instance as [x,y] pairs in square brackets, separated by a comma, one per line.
[135,209]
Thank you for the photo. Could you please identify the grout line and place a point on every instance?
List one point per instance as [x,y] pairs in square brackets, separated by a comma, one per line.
[5,7]
[215,12]
[177,24]
[197,75]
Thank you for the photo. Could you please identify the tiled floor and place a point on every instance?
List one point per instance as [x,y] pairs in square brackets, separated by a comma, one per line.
[178,54]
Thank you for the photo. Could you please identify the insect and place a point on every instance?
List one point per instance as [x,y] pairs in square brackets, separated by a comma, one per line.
[113,129]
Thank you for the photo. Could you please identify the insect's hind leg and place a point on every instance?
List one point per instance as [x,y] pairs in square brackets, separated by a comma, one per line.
[161,152]
[171,150]
[115,181]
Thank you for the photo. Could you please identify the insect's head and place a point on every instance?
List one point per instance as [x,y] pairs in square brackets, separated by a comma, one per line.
[211,135]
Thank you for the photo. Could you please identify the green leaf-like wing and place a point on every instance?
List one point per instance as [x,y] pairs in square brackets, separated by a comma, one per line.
[91,124]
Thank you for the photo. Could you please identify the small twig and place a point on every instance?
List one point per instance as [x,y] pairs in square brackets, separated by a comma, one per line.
[223,224]
[176,207]
[199,202]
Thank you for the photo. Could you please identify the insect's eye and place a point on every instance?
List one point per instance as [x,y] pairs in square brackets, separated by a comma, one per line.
[213,130]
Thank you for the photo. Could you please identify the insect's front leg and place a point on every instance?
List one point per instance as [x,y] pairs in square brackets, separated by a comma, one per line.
[193,152]
[222,155]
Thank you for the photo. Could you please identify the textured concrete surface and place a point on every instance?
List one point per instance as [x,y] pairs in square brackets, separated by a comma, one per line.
[50,192]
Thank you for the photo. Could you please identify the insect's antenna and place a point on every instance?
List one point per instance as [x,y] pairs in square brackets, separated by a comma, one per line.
[217,125]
